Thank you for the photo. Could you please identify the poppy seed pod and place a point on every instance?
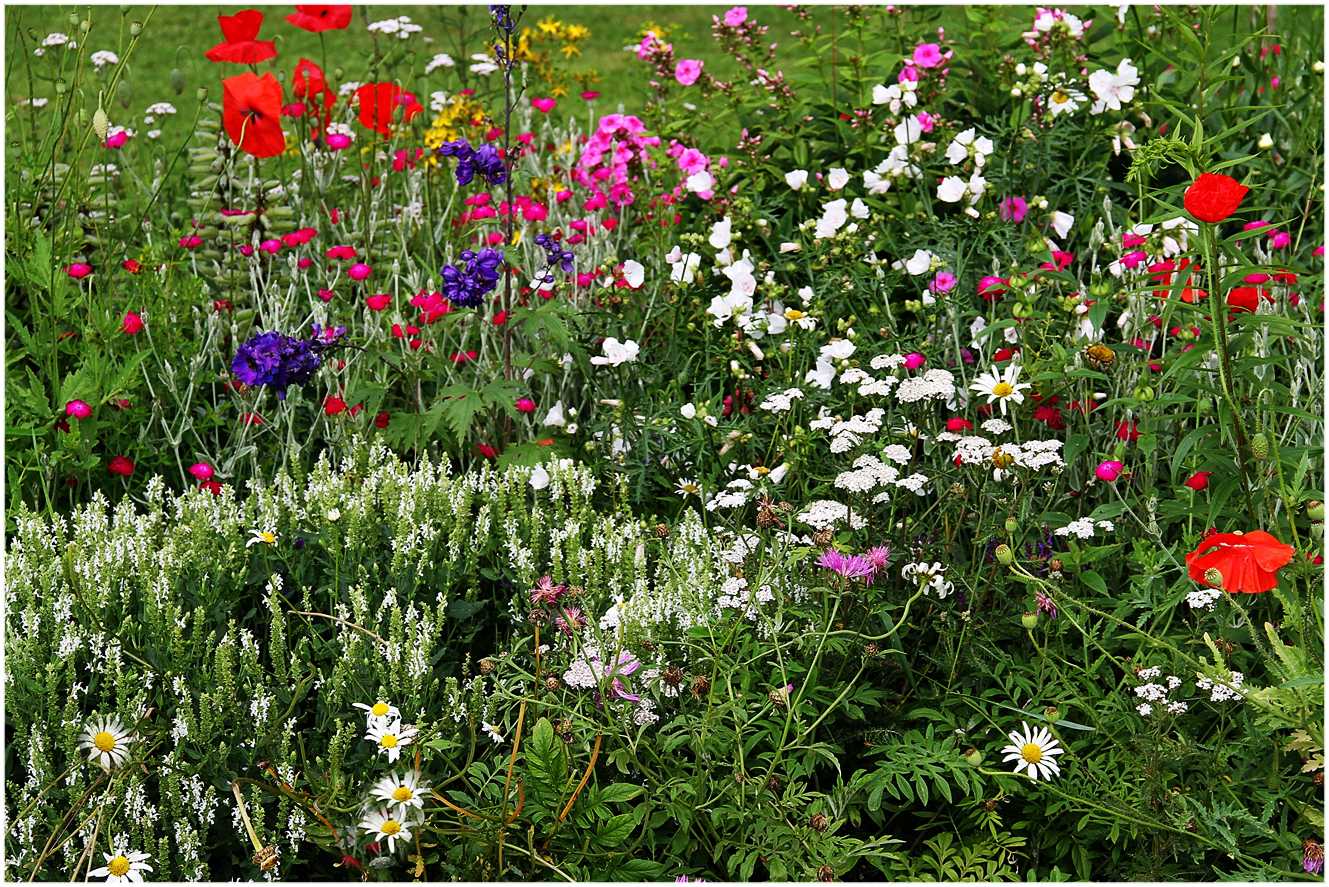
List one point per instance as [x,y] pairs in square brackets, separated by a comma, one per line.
[1004,555]
[135,28]
[1315,510]
[100,123]
[1012,525]
[1213,578]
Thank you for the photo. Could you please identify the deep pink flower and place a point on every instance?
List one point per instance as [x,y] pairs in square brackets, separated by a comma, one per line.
[928,55]
[736,16]
[79,270]
[853,566]
[78,409]
[1109,470]
[687,71]
[914,360]
[525,405]
[359,271]
[544,106]
[120,465]
[202,471]
[1013,209]
[131,324]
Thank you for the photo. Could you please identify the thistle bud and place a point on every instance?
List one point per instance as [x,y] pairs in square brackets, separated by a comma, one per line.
[1213,578]
[974,757]
[1260,446]
[486,665]
[1030,619]
[818,822]
[100,123]
[1004,555]
[1315,509]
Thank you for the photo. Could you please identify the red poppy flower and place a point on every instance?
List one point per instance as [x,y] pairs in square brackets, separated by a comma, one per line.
[1247,298]
[320,18]
[251,113]
[1197,481]
[120,465]
[242,46]
[332,405]
[309,83]
[1162,272]
[1213,197]
[1247,562]
[379,102]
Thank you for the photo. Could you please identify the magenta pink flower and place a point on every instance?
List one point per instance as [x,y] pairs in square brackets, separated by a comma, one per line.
[688,71]
[337,141]
[116,140]
[131,324]
[191,241]
[525,405]
[1013,209]
[736,16]
[359,271]
[944,282]
[928,55]
[79,270]
[849,566]
[1109,470]
[201,471]
[914,360]
[908,72]
[546,592]
[78,409]
[544,106]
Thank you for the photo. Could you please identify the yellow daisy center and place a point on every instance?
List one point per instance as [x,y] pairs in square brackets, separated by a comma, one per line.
[267,537]
[1032,752]
[118,866]
[388,741]
[380,709]
[1003,389]
[402,793]
[689,487]
[793,314]
[104,741]
[390,827]
[1060,97]
[762,469]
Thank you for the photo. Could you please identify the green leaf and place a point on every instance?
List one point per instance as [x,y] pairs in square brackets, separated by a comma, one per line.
[1094,581]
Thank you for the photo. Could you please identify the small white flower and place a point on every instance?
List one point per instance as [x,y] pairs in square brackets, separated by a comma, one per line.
[492,732]
[107,742]
[123,867]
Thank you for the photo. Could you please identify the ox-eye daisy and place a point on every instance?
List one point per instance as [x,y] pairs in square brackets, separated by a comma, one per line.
[384,825]
[1001,386]
[379,711]
[401,792]
[123,867]
[1034,750]
[390,737]
[107,742]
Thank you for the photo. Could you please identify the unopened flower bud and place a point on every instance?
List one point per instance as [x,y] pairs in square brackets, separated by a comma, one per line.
[486,665]
[974,757]
[1315,509]
[178,81]
[1029,619]
[1260,446]
[1266,142]
[818,822]
[100,124]
[135,28]
[202,93]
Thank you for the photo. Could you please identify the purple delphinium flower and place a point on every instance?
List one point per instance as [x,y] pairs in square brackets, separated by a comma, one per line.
[472,278]
[849,566]
[555,256]
[277,361]
[484,160]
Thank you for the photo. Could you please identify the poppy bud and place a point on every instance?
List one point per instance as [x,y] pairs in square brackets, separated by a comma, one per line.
[73,18]
[178,81]
[100,124]
[135,28]
[1260,447]
[1030,619]
[1213,578]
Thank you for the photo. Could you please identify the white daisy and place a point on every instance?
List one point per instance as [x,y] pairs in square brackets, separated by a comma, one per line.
[107,742]
[492,732]
[1064,101]
[1001,386]
[382,824]
[688,487]
[123,867]
[402,792]
[390,736]
[380,711]
[261,537]
[1035,750]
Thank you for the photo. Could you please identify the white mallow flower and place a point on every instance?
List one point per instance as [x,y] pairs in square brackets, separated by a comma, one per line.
[700,181]
[1035,751]
[1111,90]
[968,144]
[953,189]
[1061,223]
[721,233]
[833,218]
[539,477]
[796,179]
[858,209]
[919,263]
[838,349]
[634,273]
[896,96]
[555,417]
[616,352]
[821,375]
[837,178]
[683,266]
[908,131]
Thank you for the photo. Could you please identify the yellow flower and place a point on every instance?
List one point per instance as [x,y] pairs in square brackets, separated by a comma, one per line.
[577,32]
[550,26]
[558,91]
[569,50]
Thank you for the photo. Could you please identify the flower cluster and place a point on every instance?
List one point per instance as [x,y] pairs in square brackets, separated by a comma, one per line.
[475,276]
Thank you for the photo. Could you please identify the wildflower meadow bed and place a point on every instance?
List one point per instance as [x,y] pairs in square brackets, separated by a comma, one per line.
[883,447]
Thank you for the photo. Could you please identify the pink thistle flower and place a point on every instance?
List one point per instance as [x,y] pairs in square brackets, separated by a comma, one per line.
[844,565]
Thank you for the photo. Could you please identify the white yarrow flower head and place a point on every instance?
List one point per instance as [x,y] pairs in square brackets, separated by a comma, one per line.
[1035,751]
[384,825]
[390,737]
[1002,386]
[123,867]
[107,742]
[401,792]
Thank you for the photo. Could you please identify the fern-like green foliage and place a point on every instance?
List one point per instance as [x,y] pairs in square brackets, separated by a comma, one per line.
[914,769]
